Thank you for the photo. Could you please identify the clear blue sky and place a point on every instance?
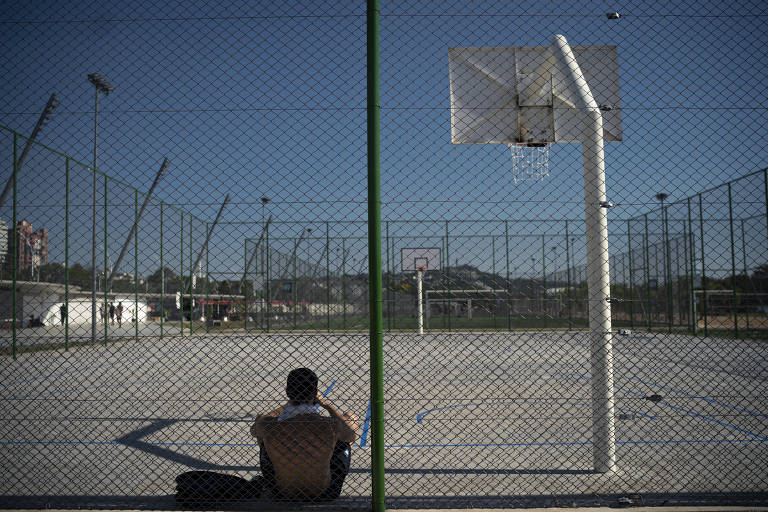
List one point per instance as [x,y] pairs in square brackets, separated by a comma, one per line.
[264,99]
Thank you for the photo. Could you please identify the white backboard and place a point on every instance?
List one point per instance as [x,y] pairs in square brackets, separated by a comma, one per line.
[413,258]
[504,95]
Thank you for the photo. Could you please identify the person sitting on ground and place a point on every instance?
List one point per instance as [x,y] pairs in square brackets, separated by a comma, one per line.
[305,455]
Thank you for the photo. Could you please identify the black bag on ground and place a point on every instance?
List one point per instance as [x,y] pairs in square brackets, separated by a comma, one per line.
[201,487]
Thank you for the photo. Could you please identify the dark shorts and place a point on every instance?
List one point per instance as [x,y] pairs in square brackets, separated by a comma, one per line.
[340,460]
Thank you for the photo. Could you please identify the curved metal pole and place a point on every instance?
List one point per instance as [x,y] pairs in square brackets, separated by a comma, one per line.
[253,253]
[116,267]
[205,245]
[598,269]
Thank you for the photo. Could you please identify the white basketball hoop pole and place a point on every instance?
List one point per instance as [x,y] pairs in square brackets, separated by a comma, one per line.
[598,281]
[420,299]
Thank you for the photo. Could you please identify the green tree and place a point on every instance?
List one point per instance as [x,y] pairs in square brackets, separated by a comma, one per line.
[172,281]
[52,273]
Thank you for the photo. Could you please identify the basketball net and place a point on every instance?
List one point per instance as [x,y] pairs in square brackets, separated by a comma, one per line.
[529,162]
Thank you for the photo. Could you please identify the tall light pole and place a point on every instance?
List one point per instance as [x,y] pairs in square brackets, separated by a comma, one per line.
[99,85]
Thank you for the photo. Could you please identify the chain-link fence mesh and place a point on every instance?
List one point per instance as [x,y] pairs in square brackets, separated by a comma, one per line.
[185,221]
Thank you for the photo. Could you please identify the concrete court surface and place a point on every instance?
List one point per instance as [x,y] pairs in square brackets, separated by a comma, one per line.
[467,414]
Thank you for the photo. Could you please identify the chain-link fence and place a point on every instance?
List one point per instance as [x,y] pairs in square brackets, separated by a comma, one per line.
[527,268]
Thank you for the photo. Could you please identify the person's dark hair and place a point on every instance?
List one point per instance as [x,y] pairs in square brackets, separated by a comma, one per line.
[302,385]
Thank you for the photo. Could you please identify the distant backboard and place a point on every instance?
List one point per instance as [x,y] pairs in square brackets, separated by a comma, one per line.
[420,258]
[507,95]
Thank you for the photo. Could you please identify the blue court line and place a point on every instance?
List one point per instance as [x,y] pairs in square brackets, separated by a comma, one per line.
[691,413]
[702,416]
[366,426]
[421,415]
[695,414]
[584,443]
[445,445]
[710,400]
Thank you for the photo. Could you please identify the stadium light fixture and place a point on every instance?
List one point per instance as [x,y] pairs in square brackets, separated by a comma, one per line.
[264,201]
[100,83]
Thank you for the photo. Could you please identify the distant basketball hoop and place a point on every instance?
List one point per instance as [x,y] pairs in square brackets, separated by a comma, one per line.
[420,260]
[530,161]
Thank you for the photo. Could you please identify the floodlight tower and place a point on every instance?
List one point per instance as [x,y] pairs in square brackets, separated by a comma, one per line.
[100,85]
[46,116]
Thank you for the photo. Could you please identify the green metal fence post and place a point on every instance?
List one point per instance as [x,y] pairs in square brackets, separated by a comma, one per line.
[765,197]
[245,284]
[443,278]
[392,296]
[568,270]
[667,268]
[268,303]
[544,279]
[678,292]
[328,275]
[692,262]
[746,270]
[493,272]
[66,254]
[389,277]
[647,265]
[106,263]
[162,274]
[687,273]
[631,277]
[207,306]
[704,304]
[344,283]
[15,235]
[733,264]
[262,273]
[180,293]
[192,280]
[136,264]
[448,275]
[374,251]
[509,285]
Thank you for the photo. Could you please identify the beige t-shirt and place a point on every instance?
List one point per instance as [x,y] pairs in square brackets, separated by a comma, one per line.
[300,449]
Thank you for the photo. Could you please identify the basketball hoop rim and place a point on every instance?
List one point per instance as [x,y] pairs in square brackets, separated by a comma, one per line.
[529,144]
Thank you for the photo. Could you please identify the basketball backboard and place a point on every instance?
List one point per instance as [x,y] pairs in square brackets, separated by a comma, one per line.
[507,95]
[420,258]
